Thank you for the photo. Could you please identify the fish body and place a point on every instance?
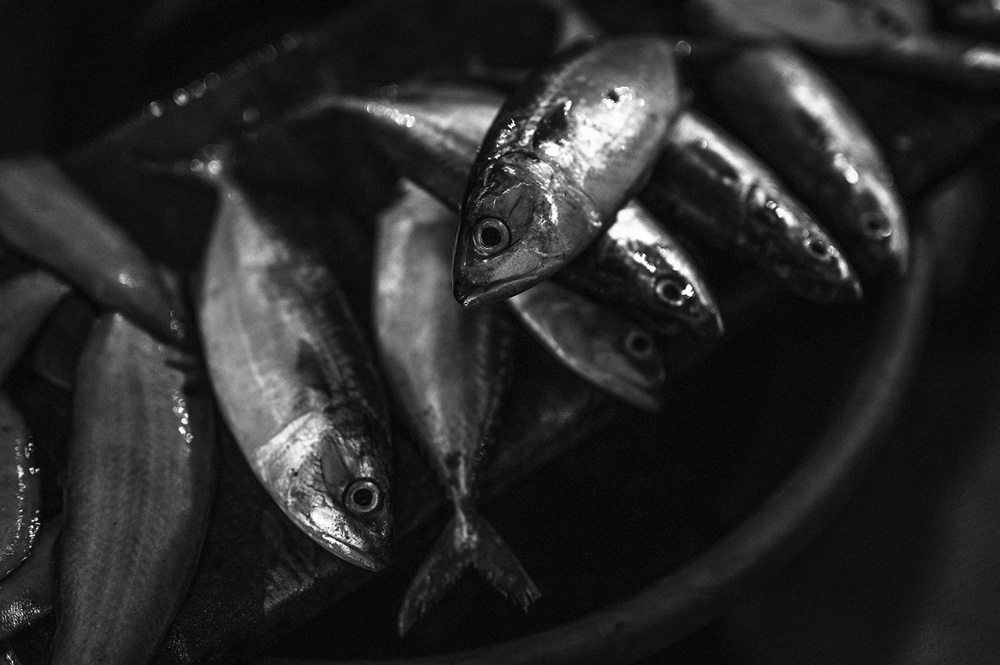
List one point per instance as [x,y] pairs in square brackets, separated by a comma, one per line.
[798,122]
[29,593]
[710,186]
[432,137]
[446,366]
[295,381]
[612,353]
[47,217]
[563,155]
[141,476]
[20,491]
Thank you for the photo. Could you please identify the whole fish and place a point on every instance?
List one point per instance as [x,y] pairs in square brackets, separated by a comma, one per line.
[446,366]
[432,135]
[29,593]
[564,154]
[794,118]
[141,474]
[615,354]
[20,491]
[26,300]
[294,380]
[47,217]
[710,186]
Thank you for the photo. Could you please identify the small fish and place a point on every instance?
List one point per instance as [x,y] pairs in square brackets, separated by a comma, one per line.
[141,474]
[29,593]
[431,136]
[446,365]
[295,381]
[610,352]
[710,186]
[644,271]
[47,217]
[26,300]
[795,119]
[20,491]
[564,154]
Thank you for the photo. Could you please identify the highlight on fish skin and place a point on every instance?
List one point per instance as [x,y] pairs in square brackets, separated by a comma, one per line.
[294,379]
[564,153]
[20,489]
[446,366]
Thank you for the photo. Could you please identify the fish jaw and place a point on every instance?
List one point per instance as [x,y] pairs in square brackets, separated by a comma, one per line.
[882,239]
[311,468]
[521,222]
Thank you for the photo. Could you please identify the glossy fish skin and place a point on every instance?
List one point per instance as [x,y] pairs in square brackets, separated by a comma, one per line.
[47,217]
[447,368]
[638,266]
[29,593]
[610,352]
[20,491]
[795,119]
[564,154]
[431,137]
[26,300]
[141,479]
[710,186]
[295,382]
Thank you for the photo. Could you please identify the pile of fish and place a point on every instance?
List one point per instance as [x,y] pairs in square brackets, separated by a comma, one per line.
[585,201]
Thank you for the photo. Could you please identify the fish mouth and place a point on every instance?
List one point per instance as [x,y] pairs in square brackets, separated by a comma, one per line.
[478,295]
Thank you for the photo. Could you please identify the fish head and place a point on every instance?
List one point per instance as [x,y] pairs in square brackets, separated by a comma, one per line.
[800,251]
[670,290]
[326,477]
[521,221]
[882,239]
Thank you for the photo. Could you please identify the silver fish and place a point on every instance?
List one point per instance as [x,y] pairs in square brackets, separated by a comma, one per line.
[798,122]
[710,186]
[294,380]
[563,155]
[20,491]
[141,478]
[47,217]
[431,136]
[446,366]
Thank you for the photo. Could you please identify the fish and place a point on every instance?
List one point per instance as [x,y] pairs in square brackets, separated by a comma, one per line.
[563,155]
[609,351]
[708,185]
[791,115]
[47,217]
[20,490]
[446,366]
[141,472]
[295,381]
[29,592]
[431,135]
[26,300]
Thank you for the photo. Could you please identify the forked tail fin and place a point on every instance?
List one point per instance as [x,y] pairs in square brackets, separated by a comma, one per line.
[468,541]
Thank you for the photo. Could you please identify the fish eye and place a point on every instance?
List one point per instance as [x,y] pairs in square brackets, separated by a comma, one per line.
[671,291]
[362,496]
[818,247]
[490,236]
[639,344]
[877,227]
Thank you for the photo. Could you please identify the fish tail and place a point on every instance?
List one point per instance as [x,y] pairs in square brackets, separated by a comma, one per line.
[469,541]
